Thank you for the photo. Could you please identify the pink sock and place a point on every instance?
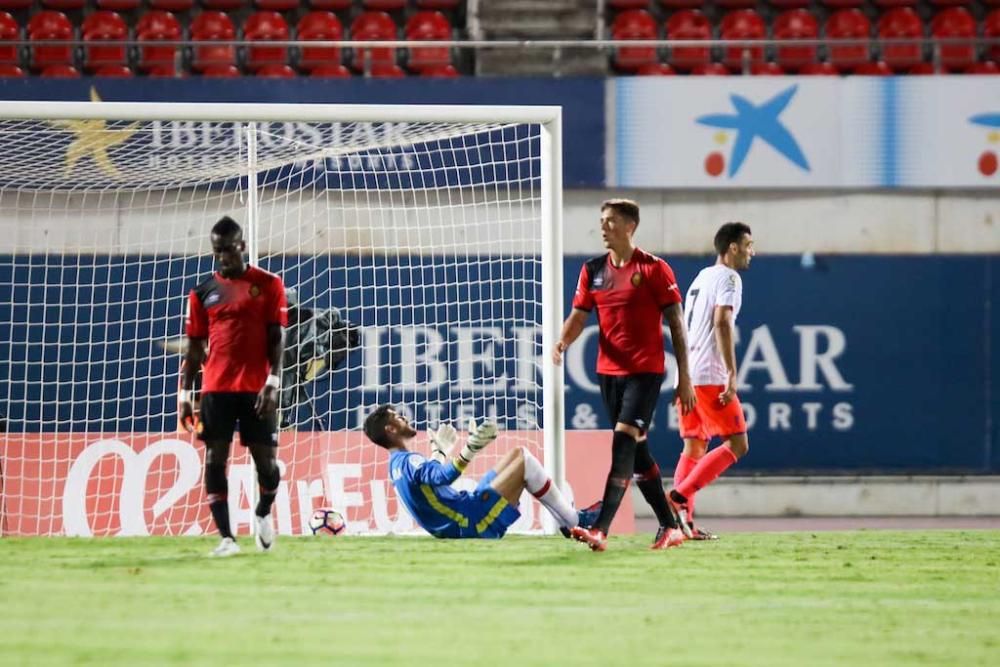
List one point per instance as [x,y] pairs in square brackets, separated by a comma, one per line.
[685,464]
[708,469]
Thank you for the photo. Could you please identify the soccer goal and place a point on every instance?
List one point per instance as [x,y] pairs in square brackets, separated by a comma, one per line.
[421,246]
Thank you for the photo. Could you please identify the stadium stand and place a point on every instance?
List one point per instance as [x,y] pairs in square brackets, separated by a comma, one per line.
[123,34]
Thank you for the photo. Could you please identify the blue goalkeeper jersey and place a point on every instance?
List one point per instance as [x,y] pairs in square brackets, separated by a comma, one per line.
[424,486]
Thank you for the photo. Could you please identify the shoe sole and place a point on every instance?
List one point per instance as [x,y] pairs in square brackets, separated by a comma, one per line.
[594,546]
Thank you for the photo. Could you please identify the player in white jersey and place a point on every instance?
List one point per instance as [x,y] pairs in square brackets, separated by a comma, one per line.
[710,309]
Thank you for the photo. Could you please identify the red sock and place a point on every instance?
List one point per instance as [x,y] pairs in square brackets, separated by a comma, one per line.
[708,469]
[685,464]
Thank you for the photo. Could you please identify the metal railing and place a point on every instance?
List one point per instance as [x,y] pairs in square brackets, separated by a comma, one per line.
[185,48]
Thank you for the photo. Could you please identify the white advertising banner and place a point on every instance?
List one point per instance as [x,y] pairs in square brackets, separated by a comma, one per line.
[796,132]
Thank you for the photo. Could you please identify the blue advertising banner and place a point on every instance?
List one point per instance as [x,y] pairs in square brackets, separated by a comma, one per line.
[582,101]
[852,364]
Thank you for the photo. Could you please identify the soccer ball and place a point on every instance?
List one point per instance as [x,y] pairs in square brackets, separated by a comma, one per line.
[326,521]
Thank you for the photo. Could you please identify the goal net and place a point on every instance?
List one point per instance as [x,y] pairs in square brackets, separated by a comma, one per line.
[420,248]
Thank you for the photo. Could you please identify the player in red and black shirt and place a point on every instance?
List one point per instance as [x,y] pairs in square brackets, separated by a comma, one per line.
[631,290]
[239,312]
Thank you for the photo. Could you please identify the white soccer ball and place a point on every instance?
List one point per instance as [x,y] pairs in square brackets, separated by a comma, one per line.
[327,521]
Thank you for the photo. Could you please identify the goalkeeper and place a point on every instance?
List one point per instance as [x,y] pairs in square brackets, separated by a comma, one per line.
[424,485]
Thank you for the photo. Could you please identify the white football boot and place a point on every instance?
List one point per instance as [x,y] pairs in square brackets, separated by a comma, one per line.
[227,547]
[263,533]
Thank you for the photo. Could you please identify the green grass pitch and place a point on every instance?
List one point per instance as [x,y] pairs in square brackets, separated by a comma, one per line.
[847,598]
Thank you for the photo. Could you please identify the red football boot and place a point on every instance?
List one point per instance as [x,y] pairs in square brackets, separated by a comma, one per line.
[592,537]
[667,538]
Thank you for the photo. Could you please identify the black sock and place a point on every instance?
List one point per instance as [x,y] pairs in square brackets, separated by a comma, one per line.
[220,512]
[622,462]
[265,502]
[647,478]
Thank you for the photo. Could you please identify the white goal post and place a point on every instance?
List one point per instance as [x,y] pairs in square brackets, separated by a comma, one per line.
[422,246]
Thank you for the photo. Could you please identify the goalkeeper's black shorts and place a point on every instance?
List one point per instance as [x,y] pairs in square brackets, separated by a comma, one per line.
[222,411]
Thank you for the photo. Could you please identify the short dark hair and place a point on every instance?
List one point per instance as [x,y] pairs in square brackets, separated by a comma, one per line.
[375,425]
[226,227]
[623,207]
[731,232]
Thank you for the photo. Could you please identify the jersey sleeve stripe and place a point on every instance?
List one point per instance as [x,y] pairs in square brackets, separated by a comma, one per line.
[441,508]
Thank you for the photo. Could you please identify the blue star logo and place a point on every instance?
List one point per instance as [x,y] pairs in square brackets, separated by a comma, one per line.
[986,119]
[753,122]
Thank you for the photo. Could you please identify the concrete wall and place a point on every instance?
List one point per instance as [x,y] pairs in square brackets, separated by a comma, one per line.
[446,221]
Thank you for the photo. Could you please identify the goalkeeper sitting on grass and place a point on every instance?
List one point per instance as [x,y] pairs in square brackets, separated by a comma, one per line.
[424,485]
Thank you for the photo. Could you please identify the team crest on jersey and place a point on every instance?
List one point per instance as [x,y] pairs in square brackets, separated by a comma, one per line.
[254,291]
[636,279]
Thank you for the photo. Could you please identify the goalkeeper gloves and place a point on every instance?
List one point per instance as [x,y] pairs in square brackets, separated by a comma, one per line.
[479,437]
[443,440]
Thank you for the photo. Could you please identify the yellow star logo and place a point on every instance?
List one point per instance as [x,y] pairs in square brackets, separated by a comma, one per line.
[93,139]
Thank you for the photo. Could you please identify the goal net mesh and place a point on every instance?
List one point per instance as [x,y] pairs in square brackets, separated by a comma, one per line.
[411,252]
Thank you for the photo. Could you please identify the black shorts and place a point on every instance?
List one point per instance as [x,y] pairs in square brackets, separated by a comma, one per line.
[220,411]
[631,399]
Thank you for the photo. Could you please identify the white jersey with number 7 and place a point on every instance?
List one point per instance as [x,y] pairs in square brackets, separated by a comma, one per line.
[716,285]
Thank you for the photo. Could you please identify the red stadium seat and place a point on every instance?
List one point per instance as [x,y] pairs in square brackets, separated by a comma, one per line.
[877,68]
[387,71]
[847,24]
[50,26]
[319,26]
[689,24]
[737,4]
[383,5]
[277,5]
[742,24]
[955,23]
[767,69]
[818,69]
[157,26]
[207,27]
[61,72]
[634,24]
[655,69]
[426,26]
[161,72]
[265,27]
[14,5]
[171,5]
[795,24]
[987,67]
[275,72]
[105,33]
[682,4]
[991,28]
[440,72]
[896,3]
[841,4]
[224,5]
[330,72]
[923,69]
[373,26]
[957,3]
[221,72]
[114,72]
[64,5]
[9,71]
[10,32]
[789,4]
[901,23]
[711,69]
